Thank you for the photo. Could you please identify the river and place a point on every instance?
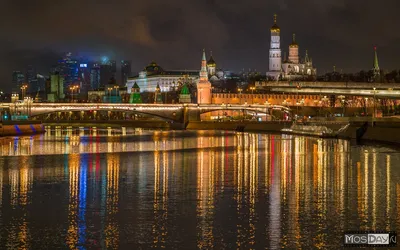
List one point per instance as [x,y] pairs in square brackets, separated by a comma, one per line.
[92,188]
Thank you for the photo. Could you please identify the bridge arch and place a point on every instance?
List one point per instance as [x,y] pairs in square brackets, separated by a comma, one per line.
[171,117]
[255,109]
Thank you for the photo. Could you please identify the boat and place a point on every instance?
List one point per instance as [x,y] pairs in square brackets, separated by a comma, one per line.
[16,128]
[313,130]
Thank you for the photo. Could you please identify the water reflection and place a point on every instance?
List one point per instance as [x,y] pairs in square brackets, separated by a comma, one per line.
[114,189]
[111,230]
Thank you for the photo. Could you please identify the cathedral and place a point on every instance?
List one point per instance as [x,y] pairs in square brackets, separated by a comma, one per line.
[287,68]
[214,74]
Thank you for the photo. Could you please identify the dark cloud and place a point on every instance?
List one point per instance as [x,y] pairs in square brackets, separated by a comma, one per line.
[336,32]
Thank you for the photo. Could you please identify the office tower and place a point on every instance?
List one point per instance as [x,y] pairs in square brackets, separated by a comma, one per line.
[95,76]
[84,77]
[106,73]
[18,79]
[56,91]
[126,71]
[113,64]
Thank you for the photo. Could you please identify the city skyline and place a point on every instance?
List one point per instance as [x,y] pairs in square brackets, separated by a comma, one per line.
[336,34]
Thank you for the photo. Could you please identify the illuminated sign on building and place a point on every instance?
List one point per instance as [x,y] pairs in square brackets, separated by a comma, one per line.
[83,65]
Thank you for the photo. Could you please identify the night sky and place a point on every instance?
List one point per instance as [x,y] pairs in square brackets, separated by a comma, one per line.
[174,32]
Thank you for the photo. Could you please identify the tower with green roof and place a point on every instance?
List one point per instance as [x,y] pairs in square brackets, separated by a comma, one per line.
[375,69]
[157,95]
[135,94]
[184,96]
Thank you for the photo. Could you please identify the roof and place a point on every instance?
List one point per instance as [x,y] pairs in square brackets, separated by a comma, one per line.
[275,27]
[136,86]
[185,90]
[294,43]
[153,68]
[211,61]
[178,73]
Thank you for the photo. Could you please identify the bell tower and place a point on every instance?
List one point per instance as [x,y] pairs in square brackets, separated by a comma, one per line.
[275,60]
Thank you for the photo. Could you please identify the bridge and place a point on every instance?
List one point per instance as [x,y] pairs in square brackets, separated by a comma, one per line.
[379,90]
[171,112]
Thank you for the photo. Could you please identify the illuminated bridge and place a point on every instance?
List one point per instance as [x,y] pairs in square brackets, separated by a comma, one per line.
[172,112]
[380,90]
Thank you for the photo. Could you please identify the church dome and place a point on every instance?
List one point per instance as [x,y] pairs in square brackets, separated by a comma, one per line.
[294,43]
[220,74]
[153,68]
[211,62]
[275,27]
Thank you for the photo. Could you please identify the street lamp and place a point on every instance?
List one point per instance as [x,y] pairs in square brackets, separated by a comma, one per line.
[240,95]
[23,90]
[323,100]
[109,93]
[374,114]
[116,87]
[342,102]
[252,92]
[73,88]
[166,93]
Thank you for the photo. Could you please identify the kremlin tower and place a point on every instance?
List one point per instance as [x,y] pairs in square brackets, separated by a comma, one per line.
[375,69]
[204,86]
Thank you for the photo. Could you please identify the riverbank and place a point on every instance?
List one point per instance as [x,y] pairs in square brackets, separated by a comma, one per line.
[16,128]
[382,131]
[164,125]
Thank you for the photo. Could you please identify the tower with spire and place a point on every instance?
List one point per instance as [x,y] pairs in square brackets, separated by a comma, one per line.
[375,69]
[294,51]
[204,86]
[291,68]
[135,96]
[275,60]
[157,95]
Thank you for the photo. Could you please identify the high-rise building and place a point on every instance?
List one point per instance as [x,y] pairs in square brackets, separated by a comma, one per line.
[126,71]
[56,90]
[95,76]
[30,74]
[69,69]
[106,73]
[18,79]
[84,77]
[33,86]
[113,64]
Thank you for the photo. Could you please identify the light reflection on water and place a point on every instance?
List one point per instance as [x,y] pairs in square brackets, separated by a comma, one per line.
[93,188]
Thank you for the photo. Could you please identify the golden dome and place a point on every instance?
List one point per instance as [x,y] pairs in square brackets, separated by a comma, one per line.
[211,62]
[275,27]
[294,44]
